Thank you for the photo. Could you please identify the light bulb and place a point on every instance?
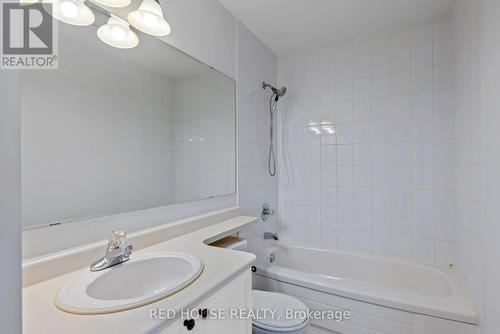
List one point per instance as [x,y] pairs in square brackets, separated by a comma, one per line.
[69,9]
[117,33]
[149,19]
[73,12]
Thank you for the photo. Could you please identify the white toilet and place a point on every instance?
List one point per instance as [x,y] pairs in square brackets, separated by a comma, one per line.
[265,300]
[280,323]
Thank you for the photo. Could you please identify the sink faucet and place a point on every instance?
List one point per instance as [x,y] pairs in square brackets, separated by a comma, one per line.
[116,252]
[269,235]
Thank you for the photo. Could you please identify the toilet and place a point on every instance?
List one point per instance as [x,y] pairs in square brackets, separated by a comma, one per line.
[279,323]
[266,300]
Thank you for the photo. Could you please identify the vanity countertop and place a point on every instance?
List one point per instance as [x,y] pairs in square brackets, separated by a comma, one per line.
[41,316]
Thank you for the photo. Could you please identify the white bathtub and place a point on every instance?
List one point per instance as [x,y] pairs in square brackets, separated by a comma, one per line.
[384,295]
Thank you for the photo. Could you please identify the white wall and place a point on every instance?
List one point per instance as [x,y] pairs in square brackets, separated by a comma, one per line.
[476,81]
[256,63]
[10,204]
[366,154]
[468,129]
[205,30]
[491,161]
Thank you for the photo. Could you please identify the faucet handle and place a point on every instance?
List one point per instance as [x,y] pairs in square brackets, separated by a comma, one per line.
[266,211]
[119,235]
[117,239]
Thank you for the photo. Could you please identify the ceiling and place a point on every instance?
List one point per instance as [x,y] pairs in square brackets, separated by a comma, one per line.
[290,25]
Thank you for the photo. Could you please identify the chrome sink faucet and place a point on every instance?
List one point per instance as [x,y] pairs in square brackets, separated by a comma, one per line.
[116,252]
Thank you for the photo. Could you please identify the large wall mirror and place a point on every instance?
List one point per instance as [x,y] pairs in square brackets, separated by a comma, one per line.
[113,131]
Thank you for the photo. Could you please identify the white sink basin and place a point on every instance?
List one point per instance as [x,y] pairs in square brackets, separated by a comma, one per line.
[144,279]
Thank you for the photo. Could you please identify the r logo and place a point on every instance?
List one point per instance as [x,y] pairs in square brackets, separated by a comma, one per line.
[28,36]
[26,30]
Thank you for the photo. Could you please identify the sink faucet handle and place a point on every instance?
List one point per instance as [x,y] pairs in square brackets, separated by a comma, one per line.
[117,239]
[119,235]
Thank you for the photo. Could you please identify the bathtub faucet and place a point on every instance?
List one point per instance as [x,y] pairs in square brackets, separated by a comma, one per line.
[269,236]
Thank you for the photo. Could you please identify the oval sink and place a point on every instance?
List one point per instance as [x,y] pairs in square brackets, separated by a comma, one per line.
[144,279]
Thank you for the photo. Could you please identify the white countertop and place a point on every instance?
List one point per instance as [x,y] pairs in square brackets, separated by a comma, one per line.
[41,316]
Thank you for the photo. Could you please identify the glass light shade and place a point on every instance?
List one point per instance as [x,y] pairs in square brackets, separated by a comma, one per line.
[148,18]
[73,12]
[27,2]
[114,3]
[117,33]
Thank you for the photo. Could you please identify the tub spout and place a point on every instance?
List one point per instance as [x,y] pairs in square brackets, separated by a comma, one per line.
[269,235]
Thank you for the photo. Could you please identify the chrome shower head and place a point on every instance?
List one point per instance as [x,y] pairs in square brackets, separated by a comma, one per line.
[278,92]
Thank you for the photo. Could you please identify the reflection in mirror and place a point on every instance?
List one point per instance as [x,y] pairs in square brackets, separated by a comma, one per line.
[117,130]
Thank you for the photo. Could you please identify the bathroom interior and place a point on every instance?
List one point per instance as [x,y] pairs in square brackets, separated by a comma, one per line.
[232,166]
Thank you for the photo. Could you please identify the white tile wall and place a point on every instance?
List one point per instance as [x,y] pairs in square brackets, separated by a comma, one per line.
[468,132]
[146,143]
[366,150]
[488,60]
[129,129]
[256,63]
[204,130]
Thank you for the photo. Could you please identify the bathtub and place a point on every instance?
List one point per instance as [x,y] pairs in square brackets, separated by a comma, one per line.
[383,295]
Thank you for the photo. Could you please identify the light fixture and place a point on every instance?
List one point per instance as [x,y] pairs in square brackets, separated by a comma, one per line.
[114,3]
[27,2]
[148,18]
[117,33]
[73,12]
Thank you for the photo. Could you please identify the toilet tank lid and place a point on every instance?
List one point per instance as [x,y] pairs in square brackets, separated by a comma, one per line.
[275,311]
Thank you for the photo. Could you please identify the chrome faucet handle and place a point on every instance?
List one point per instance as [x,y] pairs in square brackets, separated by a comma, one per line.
[116,241]
[266,212]
[118,238]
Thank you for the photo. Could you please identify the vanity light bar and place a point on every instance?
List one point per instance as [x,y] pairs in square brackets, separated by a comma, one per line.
[148,18]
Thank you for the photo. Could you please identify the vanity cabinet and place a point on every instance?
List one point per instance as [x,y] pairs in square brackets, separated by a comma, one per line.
[235,295]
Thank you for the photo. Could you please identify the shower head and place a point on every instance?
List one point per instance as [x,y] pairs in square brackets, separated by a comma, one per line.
[278,92]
